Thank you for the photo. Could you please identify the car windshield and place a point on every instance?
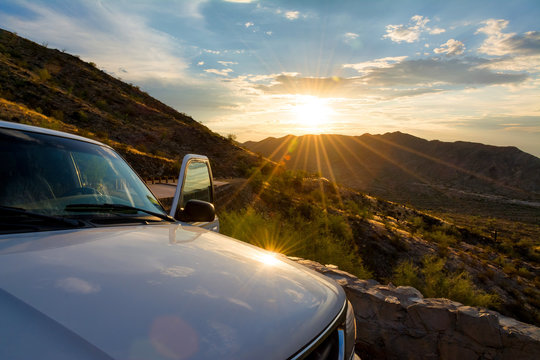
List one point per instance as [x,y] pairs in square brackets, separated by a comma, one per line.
[55,176]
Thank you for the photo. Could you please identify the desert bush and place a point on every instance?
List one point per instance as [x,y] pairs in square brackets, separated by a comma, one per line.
[44,74]
[327,241]
[433,280]
[417,224]
[406,273]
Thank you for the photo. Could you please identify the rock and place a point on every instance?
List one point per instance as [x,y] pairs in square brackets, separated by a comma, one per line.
[480,325]
[399,323]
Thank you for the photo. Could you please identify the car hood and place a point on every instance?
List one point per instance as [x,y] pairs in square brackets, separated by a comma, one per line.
[157,292]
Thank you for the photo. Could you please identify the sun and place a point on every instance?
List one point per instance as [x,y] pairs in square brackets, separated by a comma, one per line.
[312,112]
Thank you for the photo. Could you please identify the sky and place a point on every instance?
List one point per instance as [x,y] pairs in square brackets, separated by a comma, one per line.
[447,70]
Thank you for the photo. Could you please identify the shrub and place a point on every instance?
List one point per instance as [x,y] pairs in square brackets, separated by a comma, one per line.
[325,240]
[44,74]
[406,273]
[434,281]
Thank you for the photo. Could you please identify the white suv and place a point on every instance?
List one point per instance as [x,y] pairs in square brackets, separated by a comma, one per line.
[92,267]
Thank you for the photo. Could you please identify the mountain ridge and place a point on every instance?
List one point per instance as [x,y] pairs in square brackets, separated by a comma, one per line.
[408,169]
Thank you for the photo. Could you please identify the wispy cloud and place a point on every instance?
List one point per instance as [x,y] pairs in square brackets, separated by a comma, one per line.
[408,33]
[441,71]
[292,15]
[393,77]
[222,72]
[411,32]
[114,39]
[366,66]
[500,43]
[350,37]
[227,63]
[450,48]
[436,31]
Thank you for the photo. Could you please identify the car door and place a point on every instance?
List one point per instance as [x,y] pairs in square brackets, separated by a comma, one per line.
[195,182]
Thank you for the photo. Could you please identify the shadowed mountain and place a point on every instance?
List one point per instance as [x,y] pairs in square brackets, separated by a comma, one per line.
[50,88]
[405,168]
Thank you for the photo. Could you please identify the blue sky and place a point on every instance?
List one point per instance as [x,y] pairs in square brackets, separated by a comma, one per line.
[448,70]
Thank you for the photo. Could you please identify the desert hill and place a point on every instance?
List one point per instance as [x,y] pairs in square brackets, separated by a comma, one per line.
[427,174]
[50,88]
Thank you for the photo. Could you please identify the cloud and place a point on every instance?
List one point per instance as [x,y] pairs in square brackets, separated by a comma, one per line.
[411,32]
[223,72]
[316,86]
[451,48]
[366,66]
[248,24]
[436,31]
[110,36]
[468,71]
[240,1]
[227,63]
[392,77]
[292,15]
[350,36]
[500,43]
[502,122]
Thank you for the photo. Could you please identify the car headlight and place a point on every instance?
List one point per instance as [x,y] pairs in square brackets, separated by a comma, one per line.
[350,331]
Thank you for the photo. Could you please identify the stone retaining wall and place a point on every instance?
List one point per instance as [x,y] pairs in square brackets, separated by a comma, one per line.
[399,323]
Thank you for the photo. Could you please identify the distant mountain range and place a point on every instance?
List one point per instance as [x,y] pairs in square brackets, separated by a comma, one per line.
[50,88]
[405,168]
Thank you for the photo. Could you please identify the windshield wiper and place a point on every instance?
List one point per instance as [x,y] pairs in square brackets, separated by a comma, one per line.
[115,207]
[57,219]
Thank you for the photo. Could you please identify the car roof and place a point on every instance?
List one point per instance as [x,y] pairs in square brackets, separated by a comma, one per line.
[40,130]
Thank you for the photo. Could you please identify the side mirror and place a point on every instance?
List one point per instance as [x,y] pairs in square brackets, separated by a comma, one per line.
[195,182]
[196,211]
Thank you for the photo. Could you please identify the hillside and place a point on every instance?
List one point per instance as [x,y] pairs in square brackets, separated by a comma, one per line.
[53,89]
[432,175]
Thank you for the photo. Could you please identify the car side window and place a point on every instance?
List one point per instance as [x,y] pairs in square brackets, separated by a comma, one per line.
[197,183]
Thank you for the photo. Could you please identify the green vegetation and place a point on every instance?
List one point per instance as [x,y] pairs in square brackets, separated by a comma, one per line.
[302,215]
[44,74]
[434,281]
[288,220]
[326,240]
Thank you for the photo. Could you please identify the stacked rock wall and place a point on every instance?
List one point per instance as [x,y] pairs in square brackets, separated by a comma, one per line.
[399,323]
